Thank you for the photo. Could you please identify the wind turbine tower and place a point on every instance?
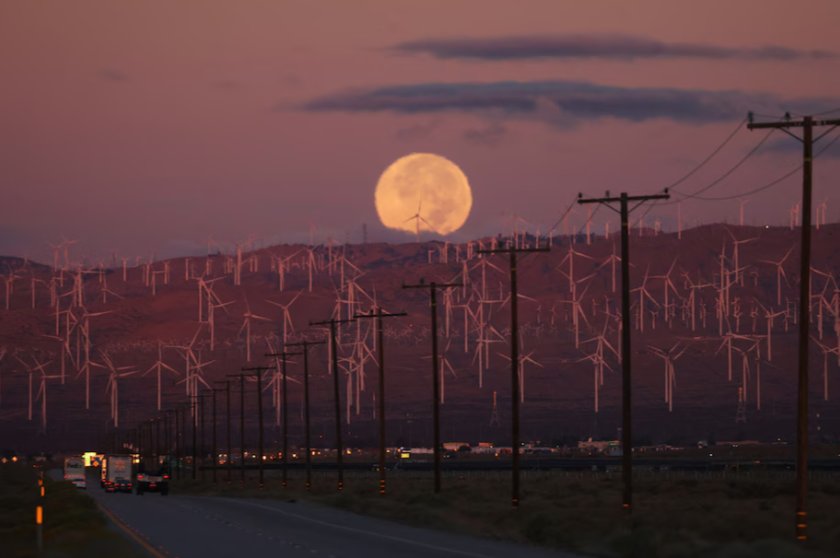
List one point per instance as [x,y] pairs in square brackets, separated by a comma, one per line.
[741,415]
[494,416]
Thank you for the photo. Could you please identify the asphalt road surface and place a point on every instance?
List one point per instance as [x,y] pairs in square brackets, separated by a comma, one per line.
[178,526]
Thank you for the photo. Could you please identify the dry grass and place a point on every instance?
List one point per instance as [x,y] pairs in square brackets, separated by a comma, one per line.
[741,516]
[73,525]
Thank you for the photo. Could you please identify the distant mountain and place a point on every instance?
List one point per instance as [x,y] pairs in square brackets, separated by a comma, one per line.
[159,304]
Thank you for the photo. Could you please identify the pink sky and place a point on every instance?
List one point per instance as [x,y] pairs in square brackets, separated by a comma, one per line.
[146,126]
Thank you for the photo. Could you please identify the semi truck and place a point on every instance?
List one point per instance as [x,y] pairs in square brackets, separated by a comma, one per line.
[74,471]
[116,473]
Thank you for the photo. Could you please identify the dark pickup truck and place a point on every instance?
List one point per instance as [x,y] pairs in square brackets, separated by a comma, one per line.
[153,481]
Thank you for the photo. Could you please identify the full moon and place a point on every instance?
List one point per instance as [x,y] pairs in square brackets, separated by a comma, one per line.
[423,192]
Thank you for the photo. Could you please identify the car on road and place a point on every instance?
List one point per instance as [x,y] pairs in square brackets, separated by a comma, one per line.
[153,481]
[116,473]
[74,471]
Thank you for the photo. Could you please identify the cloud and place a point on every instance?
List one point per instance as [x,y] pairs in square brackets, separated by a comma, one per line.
[620,47]
[112,75]
[789,146]
[489,136]
[417,131]
[564,103]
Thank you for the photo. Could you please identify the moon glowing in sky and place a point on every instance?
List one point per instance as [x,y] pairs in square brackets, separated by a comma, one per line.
[423,192]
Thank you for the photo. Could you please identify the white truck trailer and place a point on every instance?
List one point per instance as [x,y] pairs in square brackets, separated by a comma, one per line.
[74,471]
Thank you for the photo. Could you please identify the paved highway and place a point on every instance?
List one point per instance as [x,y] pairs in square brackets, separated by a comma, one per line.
[178,526]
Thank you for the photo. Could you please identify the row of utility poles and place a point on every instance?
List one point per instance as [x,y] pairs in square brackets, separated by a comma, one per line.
[623,201]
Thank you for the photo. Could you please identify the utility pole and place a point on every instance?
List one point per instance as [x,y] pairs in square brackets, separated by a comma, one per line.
[241,421]
[200,402]
[258,372]
[182,440]
[194,428]
[177,443]
[433,287]
[215,451]
[807,124]
[334,341]
[284,356]
[137,432]
[305,345]
[170,444]
[228,461]
[381,341]
[514,360]
[159,444]
[626,399]
[203,445]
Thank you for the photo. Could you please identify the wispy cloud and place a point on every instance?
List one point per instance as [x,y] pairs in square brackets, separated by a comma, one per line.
[565,103]
[416,131]
[489,136]
[112,75]
[789,146]
[621,47]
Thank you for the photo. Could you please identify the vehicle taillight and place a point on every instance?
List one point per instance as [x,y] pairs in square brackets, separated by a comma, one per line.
[166,476]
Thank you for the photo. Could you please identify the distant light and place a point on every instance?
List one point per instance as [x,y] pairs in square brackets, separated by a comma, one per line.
[766,226]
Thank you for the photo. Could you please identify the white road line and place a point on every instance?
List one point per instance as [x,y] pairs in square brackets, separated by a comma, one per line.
[363,532]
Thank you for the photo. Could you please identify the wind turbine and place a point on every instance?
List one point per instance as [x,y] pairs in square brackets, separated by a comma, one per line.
[739,271]
[159,365]
[42,395]
[287,317]
[246,325]
[417,217]
[780,272]
[826,351]
[115,373]
[670,377]
[642,294]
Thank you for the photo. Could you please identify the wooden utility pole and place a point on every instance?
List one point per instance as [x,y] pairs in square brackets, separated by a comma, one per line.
[200,402]
[229,459]
[336,389]
[177,442]
[514,361]
[305,346]
[194,415]
[241,422]
[159,444]
[284,356]
[626,399]
[380,339]
[433,287]
[215,451]
[808,123]
[257,371]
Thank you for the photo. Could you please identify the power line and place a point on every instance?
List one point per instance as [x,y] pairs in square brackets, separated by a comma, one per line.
[769,185]
[709,158]
[676,183]
[568,209]
[714,182]
[730,171]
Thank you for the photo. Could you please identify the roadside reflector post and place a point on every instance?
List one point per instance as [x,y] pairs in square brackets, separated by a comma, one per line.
[39,520]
